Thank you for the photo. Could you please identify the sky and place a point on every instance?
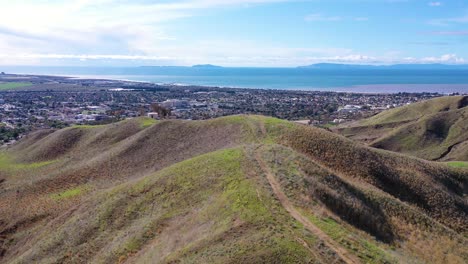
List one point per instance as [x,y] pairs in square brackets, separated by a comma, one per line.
[236,33]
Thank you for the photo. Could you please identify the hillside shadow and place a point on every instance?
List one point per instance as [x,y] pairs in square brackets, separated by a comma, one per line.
[353,206]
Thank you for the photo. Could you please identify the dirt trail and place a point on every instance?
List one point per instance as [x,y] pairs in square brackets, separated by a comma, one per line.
[286,203]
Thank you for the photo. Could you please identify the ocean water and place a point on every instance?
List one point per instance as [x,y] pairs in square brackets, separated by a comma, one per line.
[348,80]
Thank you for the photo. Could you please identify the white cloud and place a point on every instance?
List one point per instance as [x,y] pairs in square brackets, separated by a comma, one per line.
[446,58]
[448,21]
[435,4]
[223,52]
[34,32]
[97,26]
[352,58]
[245,56]
[44,32]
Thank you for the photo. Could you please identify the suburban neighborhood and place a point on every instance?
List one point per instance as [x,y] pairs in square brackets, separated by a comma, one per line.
[29,103]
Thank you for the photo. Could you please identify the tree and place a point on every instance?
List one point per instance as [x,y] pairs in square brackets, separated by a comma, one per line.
[331,108]
[142,111]
[162,111]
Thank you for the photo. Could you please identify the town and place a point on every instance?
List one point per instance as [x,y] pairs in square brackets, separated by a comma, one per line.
[28,103]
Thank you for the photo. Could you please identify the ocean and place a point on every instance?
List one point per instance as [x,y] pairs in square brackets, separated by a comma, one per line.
[344,80]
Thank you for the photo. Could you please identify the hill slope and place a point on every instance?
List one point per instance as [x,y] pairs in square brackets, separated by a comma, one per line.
[435,129]
[239,189]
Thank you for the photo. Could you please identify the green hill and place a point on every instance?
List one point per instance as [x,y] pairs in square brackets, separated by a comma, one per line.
[435,129]
[239,189]
[418,110]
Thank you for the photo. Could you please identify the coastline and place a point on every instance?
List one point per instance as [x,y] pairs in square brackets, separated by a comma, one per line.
[443,89]
[360,89]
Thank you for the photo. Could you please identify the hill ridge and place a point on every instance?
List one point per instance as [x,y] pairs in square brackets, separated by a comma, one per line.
[430,129]
[137,189]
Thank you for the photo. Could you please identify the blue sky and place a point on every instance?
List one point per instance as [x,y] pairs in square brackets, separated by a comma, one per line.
[272,33]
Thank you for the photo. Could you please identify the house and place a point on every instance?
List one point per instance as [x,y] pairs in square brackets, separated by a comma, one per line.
[153,115]
[338,120]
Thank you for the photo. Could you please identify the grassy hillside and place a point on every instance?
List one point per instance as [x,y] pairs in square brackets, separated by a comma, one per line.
[435,129]
[418,110]
[239,189]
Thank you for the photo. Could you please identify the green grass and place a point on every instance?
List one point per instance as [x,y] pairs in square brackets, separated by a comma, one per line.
[239,199]
[285,165]
[87,126]
[210,190]
[271,121]
[232,119]
[146,122]
[413,111]
[328,125]
[365,249]
[458,164]
[274,127]
[214,208]
[241,194]
[238,191]
[409,141]
[68,193]
[13,85]
[7,163]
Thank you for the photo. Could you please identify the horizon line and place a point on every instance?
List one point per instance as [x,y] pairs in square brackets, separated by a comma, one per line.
[213,66]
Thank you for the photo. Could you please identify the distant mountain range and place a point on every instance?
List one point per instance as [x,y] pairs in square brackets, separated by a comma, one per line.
[206,66]
[434,66]
[193,66]
[140,69]
[339,66]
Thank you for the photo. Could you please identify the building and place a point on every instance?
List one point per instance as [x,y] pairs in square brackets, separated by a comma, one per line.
[349,108]
[175,103]
[153,115]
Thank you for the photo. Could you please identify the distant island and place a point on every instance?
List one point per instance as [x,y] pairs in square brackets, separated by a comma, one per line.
[206,66]
[433,66]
